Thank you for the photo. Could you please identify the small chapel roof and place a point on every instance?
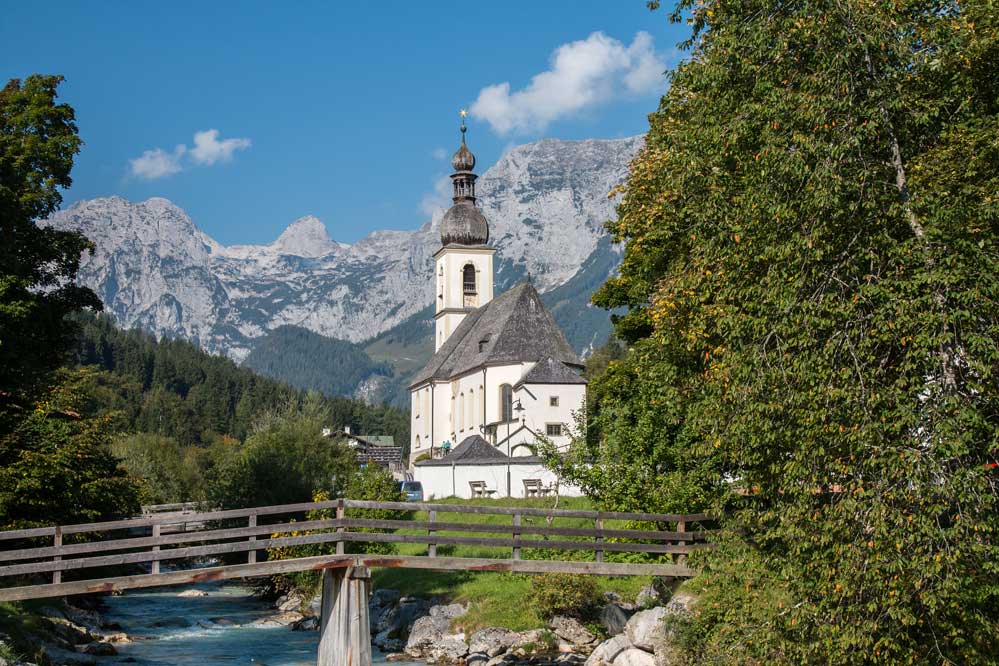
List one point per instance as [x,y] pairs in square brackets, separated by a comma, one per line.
[473,450]
[551,371]
[514,327]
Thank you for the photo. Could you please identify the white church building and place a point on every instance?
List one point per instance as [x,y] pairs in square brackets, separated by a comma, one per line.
[502,372]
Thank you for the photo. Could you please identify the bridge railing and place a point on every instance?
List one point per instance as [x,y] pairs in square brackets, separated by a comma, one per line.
[145,542]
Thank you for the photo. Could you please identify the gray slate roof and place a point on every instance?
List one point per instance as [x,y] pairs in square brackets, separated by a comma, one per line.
[512,328]
[550,371]
[473,450]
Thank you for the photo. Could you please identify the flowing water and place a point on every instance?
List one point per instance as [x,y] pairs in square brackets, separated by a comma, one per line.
[228,626]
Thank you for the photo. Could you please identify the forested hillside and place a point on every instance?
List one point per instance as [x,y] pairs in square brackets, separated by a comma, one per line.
[173,389]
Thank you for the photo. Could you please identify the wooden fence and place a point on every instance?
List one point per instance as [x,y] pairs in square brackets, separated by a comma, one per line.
[141,544]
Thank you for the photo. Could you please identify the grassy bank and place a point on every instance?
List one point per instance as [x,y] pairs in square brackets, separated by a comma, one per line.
[495,599]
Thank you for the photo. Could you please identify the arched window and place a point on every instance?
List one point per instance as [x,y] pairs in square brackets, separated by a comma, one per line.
[468,279]
[471,409]
[417,442]
[506,402]
[461,412]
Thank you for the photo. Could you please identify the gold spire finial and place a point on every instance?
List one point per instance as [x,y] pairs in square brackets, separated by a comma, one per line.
[463,113]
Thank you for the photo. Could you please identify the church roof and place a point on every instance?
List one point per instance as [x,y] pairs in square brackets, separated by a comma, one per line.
[473,450]
[512,328]
[550,371]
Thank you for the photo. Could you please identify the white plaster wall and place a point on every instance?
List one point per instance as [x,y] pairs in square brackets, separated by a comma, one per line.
[536,399]
[449,292]
[441,481]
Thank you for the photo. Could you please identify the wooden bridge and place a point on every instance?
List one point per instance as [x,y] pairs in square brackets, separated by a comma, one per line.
[127,554]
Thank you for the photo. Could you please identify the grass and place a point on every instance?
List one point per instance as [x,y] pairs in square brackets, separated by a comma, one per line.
[495,599]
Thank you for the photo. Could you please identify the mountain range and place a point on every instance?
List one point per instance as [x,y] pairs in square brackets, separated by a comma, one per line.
[546,203]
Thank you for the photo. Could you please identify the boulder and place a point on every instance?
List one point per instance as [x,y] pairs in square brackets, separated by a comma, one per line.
[634,657]
[448,611]
[476,658]
[647,597]
[99,649]
[429,639]
[69,633]
[606,652]
[665,652]
[493,641]
[189,594]
[310,623]
[570,630]
[613,618]
[383,597]
[289,604]
[646,627]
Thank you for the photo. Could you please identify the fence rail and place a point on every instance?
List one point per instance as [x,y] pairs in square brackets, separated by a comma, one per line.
[153,539]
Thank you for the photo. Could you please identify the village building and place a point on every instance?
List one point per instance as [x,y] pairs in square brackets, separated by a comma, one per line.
[502,372]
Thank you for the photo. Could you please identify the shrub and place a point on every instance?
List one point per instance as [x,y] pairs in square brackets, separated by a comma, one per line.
[575,595]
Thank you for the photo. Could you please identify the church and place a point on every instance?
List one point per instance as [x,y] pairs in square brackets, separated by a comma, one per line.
[502,372]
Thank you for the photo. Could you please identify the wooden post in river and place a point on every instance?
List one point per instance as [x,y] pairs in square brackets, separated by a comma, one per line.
[345,634]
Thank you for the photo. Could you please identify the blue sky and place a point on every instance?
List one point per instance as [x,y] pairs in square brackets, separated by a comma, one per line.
[341,110]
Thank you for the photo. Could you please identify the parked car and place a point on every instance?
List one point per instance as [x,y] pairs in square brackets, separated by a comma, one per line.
[412,491]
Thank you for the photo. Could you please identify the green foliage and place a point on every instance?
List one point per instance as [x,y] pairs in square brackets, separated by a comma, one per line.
[554,594]
[56,467]
[313,362]
[171,472]
[173,389]
[38,265]
[284,460]
[812,277]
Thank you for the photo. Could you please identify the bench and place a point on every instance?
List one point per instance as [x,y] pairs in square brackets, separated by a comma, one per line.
[532,487]
[479,489]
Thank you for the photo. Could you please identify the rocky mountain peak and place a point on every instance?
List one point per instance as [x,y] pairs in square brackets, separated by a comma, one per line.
[546,204]
[305,237]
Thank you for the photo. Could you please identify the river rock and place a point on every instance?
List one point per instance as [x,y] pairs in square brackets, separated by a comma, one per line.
[383,597]
[99,649]
[570,630]
[646,627]
[56,655]
[606,652]
[664,650]
[634,657]
[70,633]
[310,623]
[190,594]
[647,597]
[613,618]
[429,639]
[448,611]
[476,658]
[493,641]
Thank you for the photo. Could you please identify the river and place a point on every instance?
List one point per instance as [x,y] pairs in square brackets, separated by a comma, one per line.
[228,626]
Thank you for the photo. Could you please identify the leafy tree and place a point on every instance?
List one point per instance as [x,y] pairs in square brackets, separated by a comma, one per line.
[56,466]
[38,265]
[284,460]
[812,277]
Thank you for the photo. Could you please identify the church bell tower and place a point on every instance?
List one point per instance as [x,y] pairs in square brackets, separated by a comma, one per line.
[464,264]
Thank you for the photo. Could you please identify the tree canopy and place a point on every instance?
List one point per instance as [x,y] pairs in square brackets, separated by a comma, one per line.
[38,264]
[811,272]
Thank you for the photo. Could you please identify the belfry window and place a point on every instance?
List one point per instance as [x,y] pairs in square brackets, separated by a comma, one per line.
[468,279]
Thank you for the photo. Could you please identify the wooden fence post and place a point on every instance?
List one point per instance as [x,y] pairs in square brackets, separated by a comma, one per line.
[432,546]
[57,543]
[341,512]
[516,535]
[345,634]
[681,526]
[599,524]
[251,557]
[155,565]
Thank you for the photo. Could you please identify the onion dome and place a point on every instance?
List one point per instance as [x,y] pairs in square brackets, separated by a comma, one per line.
[464,224]
[463,160]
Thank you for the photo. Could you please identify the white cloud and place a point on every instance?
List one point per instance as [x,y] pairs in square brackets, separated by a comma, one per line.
[583,74]
[157,163]
[209,150]
[439,199]
[439,154]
